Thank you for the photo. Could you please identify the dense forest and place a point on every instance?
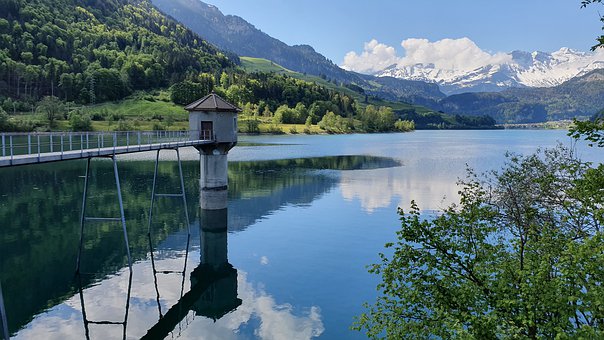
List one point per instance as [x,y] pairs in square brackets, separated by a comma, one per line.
[91,51]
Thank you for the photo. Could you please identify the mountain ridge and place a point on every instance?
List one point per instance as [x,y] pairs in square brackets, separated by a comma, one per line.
[243,38]
[581,97]
[520,69]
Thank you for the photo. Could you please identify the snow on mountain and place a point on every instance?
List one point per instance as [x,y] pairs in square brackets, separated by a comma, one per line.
[519,69]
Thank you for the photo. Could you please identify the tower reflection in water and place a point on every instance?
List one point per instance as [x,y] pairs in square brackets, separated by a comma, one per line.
[213,292]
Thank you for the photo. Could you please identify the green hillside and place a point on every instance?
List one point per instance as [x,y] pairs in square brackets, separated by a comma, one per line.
[262,65]
[90,51]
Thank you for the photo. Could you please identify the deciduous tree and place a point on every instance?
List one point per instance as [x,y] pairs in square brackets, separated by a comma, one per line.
[521,256]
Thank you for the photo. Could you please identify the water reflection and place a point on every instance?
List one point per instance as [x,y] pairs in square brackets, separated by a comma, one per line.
[256,189]
[3,322]
[431,189]
[213,288]
[41,234]
[111,322]
[219,303]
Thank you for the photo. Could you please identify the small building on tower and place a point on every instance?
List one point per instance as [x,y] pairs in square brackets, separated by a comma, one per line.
[213,118]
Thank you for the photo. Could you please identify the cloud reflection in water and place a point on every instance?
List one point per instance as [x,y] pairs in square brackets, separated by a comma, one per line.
[259,316]
[379,188]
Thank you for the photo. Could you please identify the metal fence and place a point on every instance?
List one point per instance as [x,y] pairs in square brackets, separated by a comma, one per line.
[37,143]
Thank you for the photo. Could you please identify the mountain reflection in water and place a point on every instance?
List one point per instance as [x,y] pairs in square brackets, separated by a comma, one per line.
[40,233]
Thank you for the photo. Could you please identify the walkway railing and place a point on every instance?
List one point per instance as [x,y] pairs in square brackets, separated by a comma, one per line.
[70,145]
[14,144]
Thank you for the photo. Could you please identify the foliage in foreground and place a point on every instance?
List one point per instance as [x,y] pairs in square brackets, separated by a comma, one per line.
[521,256]
[592,130]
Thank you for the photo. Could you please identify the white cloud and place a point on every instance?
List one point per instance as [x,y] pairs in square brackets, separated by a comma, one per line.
[447,54]
[375,57]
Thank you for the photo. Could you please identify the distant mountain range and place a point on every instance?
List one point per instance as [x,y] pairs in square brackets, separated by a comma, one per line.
[521,69]
[578,97]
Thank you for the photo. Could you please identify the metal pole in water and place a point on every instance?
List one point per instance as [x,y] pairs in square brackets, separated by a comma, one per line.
[119,197]
[3,147]
[153,192]
[51,149]
[38,148]
[11,147]
[28,144]
[83,216]
[3,316]
[182,189]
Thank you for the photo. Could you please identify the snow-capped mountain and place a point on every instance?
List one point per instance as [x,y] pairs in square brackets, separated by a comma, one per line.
[520,69]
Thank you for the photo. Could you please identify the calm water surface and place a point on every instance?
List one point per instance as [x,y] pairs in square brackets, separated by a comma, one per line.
[287,260]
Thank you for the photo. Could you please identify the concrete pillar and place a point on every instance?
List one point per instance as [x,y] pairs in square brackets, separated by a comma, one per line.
[213,181]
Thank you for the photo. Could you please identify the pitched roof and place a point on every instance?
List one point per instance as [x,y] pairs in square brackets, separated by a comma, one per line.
[212,102]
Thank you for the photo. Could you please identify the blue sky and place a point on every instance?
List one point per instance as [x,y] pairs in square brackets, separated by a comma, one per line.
[336,27]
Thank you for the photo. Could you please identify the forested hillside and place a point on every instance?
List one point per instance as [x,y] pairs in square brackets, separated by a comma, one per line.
[91,51]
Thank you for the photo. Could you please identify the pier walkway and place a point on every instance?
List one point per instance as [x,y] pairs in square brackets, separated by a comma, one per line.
[44,147]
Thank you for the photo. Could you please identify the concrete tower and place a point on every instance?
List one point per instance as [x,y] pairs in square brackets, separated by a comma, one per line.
[213,118]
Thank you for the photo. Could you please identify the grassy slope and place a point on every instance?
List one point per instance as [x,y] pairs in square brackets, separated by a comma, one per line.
[140,111]
[143,111]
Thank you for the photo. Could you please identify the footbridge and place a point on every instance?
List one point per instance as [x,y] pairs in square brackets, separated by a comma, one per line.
[44,147]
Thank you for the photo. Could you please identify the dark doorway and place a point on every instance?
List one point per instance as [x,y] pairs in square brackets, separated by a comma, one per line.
[207,130]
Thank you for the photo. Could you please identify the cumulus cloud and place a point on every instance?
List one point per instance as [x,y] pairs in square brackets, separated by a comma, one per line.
[375,57]
[449,54]
[446,54]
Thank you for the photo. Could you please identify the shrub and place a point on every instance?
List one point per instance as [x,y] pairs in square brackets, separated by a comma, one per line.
[80,122]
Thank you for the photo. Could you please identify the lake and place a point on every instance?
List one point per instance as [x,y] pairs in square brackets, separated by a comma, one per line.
[287,260]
